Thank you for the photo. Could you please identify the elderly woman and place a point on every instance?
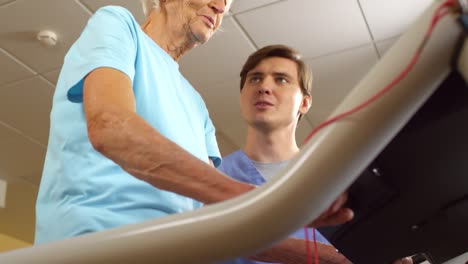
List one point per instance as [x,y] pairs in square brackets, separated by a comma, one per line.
[130,138]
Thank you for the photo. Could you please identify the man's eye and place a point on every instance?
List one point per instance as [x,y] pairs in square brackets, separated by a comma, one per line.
[281,80]
[254,79]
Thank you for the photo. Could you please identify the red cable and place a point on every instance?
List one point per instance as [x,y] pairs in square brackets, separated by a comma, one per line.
[314,232]
[440,12]
[409,67]
[309,254]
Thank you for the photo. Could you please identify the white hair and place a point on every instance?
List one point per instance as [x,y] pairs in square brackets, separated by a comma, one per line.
[149,5]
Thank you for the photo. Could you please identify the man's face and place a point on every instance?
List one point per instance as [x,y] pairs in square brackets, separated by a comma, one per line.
[201,18]
[271,96]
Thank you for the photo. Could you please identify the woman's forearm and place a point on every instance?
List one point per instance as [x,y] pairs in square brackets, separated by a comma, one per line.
[139,149]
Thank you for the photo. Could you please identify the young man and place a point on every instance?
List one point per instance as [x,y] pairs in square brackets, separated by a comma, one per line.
[275,91]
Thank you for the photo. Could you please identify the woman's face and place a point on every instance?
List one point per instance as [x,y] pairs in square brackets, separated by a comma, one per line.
[199,18]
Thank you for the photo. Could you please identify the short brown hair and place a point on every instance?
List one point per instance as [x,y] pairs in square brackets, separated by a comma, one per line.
[303,71]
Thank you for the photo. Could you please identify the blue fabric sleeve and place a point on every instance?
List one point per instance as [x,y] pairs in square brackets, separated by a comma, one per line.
[108,40]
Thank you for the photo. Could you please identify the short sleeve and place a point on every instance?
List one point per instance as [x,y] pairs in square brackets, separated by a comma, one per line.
[108,40]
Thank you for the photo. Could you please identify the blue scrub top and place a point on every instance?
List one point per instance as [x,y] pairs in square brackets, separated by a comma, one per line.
[238,166]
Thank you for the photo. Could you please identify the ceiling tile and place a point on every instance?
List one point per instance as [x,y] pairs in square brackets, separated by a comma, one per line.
[52,76]
[26,106]
[388,19]
[385,45]
[4,2]
[219,59]
[222,100]
[244,5]
[334,77]
[12,70]
[66,18]
[24,158]
[313,27]
[133,6]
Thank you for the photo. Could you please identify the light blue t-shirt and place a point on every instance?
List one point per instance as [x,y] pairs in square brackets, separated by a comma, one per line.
[82,191]
[238,166]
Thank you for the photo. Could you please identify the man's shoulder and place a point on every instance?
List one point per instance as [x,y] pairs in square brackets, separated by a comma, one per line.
[230,160]
[236,155]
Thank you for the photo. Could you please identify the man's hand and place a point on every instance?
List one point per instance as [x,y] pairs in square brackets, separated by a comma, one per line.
[407,260]
[293,251]
[335,214]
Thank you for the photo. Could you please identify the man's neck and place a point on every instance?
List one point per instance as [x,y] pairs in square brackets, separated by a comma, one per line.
[271,146]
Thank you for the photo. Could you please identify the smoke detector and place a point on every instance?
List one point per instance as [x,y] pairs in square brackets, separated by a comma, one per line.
[47,38]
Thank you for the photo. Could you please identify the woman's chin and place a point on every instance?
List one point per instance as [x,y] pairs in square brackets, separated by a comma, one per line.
[202,37]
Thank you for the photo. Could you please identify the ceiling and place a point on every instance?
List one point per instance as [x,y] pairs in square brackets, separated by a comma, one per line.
[340,39]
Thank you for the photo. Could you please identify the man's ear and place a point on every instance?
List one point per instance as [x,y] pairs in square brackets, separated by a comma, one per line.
[306,103]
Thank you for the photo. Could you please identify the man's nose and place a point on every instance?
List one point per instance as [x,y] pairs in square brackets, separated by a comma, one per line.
[265,87]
